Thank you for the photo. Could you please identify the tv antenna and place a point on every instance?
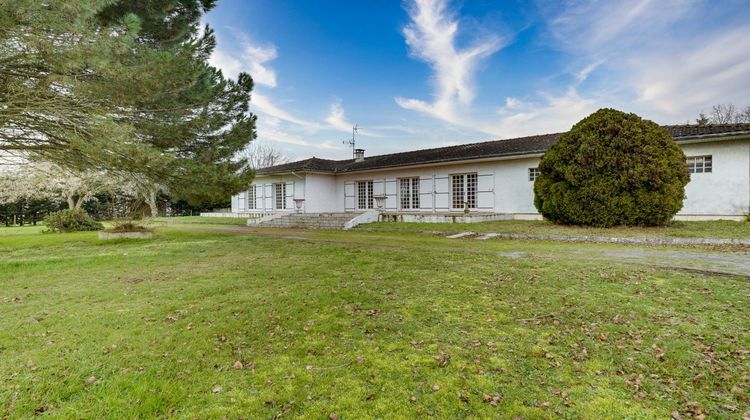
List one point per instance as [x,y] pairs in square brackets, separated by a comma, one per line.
[352,142]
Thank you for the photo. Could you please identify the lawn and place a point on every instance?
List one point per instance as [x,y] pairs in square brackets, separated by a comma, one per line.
[203,323]
[708,229]
[241,221]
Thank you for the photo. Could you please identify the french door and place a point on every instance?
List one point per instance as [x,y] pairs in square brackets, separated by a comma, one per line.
[464,191]
[409,189]
[364,195]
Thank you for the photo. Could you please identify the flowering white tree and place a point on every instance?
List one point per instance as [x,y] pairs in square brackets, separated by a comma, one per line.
[16,184]
[41,180]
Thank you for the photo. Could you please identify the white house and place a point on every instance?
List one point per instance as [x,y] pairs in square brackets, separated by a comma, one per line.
[489,180]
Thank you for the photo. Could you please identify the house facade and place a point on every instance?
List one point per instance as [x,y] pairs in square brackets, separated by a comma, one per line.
[488,178]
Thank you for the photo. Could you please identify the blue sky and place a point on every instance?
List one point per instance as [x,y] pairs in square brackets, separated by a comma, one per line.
[429,73]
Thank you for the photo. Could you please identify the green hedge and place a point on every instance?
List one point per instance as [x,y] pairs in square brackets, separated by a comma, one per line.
[612,169]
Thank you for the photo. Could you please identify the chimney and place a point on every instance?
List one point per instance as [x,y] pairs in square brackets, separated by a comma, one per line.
[359,155]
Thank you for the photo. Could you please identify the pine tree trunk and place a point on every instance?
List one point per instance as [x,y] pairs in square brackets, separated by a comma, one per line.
[152,202]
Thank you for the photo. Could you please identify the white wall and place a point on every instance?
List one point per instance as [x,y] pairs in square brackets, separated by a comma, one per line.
[504,186]
[295,188]
[725,190]
[320,193]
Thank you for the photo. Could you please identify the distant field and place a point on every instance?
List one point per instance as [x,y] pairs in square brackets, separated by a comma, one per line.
[709,229]
[362,324]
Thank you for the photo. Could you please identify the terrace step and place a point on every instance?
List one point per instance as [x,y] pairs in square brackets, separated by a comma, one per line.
[334,221]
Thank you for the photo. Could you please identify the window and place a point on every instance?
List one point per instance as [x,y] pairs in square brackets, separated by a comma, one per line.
[533,174]
[364,195]
[279,195]
[464,190]
[251,198]
[699,164]
[409,193]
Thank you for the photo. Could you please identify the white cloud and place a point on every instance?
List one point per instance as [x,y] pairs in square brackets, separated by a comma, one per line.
[265,105]
[336,118]
[582,75]
[550,115]
[593,26]
[662,56]
[688,80]
[432,37]
[252,58]
[227,63]
[256,56]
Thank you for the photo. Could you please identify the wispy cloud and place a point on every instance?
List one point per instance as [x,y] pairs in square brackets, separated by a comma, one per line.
[551,113]
[696,78]
[252,58]
[336,118]
[657,52]
[594,26]
[432,37]
[265,105]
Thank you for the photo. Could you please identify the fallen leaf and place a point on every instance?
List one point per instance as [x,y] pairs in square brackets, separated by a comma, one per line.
[442,358]
[491,399]
[91,379]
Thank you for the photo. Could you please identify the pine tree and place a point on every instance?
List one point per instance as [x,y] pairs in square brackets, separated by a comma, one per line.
[123,85]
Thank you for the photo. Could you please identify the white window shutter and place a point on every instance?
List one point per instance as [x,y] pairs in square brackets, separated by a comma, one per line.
[242,202]
[378,187]
[349,204]
[391,194]
[426,188]
[442,193]
[289,195]
[486,191]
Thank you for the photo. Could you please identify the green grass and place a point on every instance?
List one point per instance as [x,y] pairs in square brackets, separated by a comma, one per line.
[708,229]
[362,324]
[241,221]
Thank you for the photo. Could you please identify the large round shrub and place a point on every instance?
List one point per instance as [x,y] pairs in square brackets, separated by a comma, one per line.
[610,169]
[71,220]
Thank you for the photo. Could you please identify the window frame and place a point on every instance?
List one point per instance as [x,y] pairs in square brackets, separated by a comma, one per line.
[534,173]
[469,186]
[367,198]
[408,188]
[252,195]
[702,164]
[276,197]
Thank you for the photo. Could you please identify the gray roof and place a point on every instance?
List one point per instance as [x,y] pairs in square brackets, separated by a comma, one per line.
[520,146]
